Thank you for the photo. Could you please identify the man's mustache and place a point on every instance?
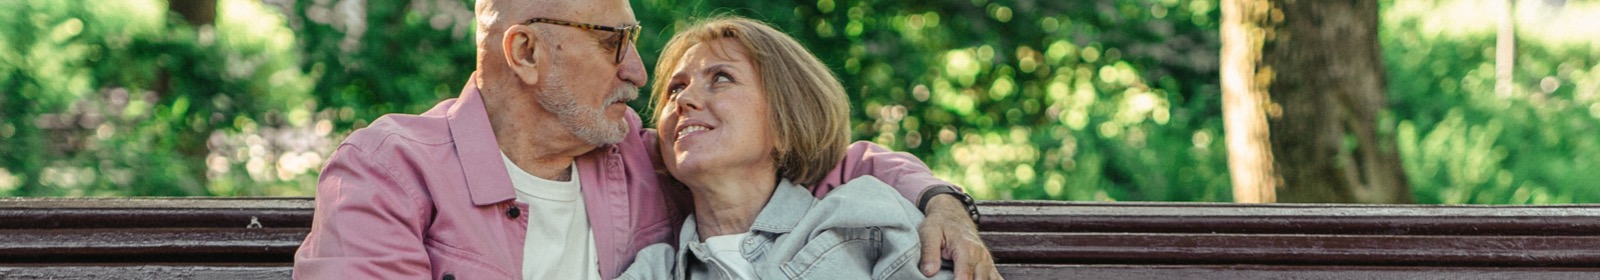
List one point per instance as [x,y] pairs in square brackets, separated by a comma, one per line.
[623,94]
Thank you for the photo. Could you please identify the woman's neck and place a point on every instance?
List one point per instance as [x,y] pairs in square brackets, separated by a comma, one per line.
[729,204]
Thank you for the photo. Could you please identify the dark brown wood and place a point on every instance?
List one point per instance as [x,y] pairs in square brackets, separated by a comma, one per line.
[207,238]
[1307,249]
[1010,271]
[142,271]
[196,203]
[1243,272]
[1188,217]
[151,245]
[34,213]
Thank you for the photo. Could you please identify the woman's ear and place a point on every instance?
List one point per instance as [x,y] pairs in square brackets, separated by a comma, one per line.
[522,53]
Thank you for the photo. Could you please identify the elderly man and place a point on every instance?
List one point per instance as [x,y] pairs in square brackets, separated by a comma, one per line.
[538,170]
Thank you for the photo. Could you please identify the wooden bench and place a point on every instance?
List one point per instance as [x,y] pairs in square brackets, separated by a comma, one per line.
[255,238]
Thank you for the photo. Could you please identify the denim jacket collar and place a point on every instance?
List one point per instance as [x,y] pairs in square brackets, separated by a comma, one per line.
[784,210]
[789,203]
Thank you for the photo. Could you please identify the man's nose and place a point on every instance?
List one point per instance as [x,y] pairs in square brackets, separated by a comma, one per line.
[632,68]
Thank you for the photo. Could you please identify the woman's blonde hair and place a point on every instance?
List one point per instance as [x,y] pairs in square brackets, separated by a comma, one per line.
[810,112]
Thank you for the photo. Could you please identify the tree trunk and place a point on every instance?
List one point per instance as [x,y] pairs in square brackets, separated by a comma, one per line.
[191,143]
[196,12]
[1505,50]
[1322,72]
[1244,102]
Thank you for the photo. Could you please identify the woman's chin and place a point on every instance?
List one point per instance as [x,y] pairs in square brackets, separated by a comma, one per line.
[687,169]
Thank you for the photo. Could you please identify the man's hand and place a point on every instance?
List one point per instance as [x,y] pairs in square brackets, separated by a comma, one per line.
[949,233]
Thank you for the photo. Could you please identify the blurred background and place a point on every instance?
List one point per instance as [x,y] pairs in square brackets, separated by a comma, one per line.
[1092,100]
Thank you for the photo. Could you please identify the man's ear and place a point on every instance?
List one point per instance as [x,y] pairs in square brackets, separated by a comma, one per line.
[523,53]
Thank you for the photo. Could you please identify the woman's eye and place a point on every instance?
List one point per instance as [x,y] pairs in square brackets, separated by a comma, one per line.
[674,89]
[722,78]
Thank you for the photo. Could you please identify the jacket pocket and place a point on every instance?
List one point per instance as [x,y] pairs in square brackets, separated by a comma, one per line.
[849,253]
[460,264]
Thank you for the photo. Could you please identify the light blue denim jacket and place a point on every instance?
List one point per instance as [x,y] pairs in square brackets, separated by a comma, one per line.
[862,230]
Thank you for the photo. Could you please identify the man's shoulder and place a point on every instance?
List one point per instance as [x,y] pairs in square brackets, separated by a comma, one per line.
[431,128]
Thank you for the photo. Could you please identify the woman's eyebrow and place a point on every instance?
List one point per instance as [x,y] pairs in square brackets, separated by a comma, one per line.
[723,67]
[679,75]
[707,71]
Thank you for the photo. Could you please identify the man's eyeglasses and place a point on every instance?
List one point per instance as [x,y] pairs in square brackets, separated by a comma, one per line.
[628,34]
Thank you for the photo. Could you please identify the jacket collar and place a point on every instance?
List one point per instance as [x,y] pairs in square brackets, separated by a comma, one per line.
[789,203]
[787,206]
[487,180]
[785,209]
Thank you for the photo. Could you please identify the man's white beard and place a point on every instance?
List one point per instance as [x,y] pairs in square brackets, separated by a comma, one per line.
[589,124]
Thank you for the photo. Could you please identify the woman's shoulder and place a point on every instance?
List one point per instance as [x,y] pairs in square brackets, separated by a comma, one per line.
[863,221]
[864,202]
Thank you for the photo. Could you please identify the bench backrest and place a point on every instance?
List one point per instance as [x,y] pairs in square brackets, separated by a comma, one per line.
[255,238]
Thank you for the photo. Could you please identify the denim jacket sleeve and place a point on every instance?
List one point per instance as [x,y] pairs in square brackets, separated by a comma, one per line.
[859,223]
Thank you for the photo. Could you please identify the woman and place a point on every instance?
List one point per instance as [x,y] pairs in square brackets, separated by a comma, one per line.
[746,116]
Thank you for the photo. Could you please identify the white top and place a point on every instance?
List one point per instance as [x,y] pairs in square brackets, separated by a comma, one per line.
[560,243]
[725,248]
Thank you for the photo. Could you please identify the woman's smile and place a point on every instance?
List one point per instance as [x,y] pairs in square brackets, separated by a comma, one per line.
[717,118]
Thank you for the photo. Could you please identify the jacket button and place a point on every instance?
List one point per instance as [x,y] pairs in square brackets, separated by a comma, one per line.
[448,277]
[514,212]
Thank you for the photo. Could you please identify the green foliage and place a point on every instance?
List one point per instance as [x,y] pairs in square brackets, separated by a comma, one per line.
[1013,99]
[384,57]
[1081,100]
[1460,141]
[121,98]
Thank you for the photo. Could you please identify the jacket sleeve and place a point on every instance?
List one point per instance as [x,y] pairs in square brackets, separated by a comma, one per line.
[902,171]
[864,204]
[366,225]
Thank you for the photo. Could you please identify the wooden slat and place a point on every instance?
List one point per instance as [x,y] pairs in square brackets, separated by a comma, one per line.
[152,245]
[140,271]
[1169,248]
[1000,216]
[198,203]
[1032,239]
[1010,271]
[1052,216]
[1246,272]
[56,213]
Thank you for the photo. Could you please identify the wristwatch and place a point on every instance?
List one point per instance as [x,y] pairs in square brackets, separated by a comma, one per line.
[966,200]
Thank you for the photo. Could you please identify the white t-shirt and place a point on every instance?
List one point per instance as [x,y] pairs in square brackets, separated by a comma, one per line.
[560,243]
[725,248]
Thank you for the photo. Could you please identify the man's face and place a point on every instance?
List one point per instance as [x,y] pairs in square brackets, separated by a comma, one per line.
[584,85]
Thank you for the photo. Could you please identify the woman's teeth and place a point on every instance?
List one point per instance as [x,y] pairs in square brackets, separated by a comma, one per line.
[690,129]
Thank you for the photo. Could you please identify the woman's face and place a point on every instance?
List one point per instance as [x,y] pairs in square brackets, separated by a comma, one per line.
[716,119]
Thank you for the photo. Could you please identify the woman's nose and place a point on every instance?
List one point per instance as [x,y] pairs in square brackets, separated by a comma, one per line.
[689,100]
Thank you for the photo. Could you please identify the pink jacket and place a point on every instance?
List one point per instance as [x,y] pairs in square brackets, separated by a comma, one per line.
[427,196]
